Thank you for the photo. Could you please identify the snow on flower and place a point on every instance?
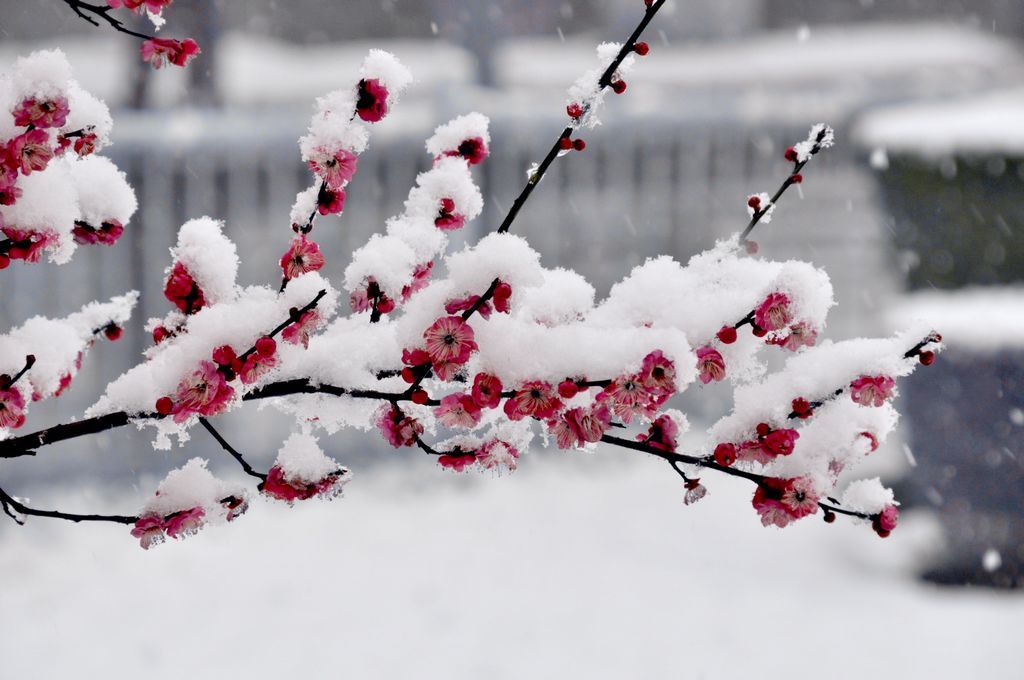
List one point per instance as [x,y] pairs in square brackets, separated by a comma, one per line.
[495,454]
[710,365]
[301,257]
[773,313]
[12,408]
[486,390]
[533,399]
[458,410]
[449,340]
[302,471]
[335,167]
[205,392]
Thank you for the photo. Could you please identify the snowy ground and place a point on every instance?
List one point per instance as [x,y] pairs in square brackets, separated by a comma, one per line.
[572,567]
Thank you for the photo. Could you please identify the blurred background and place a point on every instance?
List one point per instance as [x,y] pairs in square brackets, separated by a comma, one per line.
[916,211]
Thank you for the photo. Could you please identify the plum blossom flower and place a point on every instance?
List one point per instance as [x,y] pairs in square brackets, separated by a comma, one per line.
[12,408]
[800,335]
[579,425]
[302,257]
[330,201]
[183,290]
[420,280]
[769,445]
[29,151]
[457,459]
[106,234]
[153,6]
[486,390]
[449,340]
[629,397]
[85,143]
[662,433]
[398,428]
[162,51]
[462,304]
[184,522]
[28,244]
[336,168]
[694,491]
[10,192]
[472,149]
[41,113]
[533,399]
[773,313]
[290,489]
[886,520]
[800,497]
[496,453]
[658,373]
[710,365]
[447,219]
[458,410]
[298,333]
[502,296]
[205,392]
[869,390]
[372,104]
[254,367]
[149,529]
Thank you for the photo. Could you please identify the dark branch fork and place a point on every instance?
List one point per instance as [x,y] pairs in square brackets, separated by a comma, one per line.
[535,177]
[786,183]
[85,9]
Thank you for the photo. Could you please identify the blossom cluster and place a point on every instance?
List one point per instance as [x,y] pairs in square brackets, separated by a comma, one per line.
[55,192]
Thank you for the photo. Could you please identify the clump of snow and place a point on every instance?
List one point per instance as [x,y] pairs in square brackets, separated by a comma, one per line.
[867,495]
[586,90]
[301,459]
[103,191]
[48,204]
[193,486]
[450,135]
[385,67]
[387,259]
[210,257]
[45,74]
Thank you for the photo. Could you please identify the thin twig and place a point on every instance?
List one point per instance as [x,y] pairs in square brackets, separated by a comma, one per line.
[234,454]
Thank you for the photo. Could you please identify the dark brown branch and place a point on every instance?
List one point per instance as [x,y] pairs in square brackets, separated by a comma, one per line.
[9,503]
[84,9]
[234,454]
[788,182]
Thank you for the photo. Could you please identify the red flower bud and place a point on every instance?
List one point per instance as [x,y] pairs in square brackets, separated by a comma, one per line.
[419,397]
[113,332]
[725,454]
[574,110]
[579,144]
[791,155]
[642,48]
[619,86]
[564,143]
[266,346]
[727,335]
[754,202]
[763,429]
[927,358]
[797,178]
[408,375]
[568,389]
[164,406]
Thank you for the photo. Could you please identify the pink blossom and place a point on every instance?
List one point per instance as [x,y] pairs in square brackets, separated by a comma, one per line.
[800,497]
[496,453]
[887,519]
[298,333]
[695,491]
[447,219]
[662,434]
[29,151]
[710,365]
[473,149]
[28,244]
[773,313]
[302,257]
[872,441]
[420,280]
[10,192]
[458,410]
[149,529]
[768,503]
[658,373]
[278,485]
[162,51]
[181,289]
[583,425]
[800,335]
[12,408]
[780,442]
[335,167]
[330,201]
[205,392]
[255,367]
[398,428]
[46,113]
[185,522]
[462,304]
[629,397]
[107,234]
[501,297]
[85,143]
[449,340]
[457,460]
[372,104]
[415,357]
[154,6]
[534,399]
[486,390]
[870,390]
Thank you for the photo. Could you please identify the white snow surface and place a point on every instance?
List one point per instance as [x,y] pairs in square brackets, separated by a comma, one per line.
[564,566]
